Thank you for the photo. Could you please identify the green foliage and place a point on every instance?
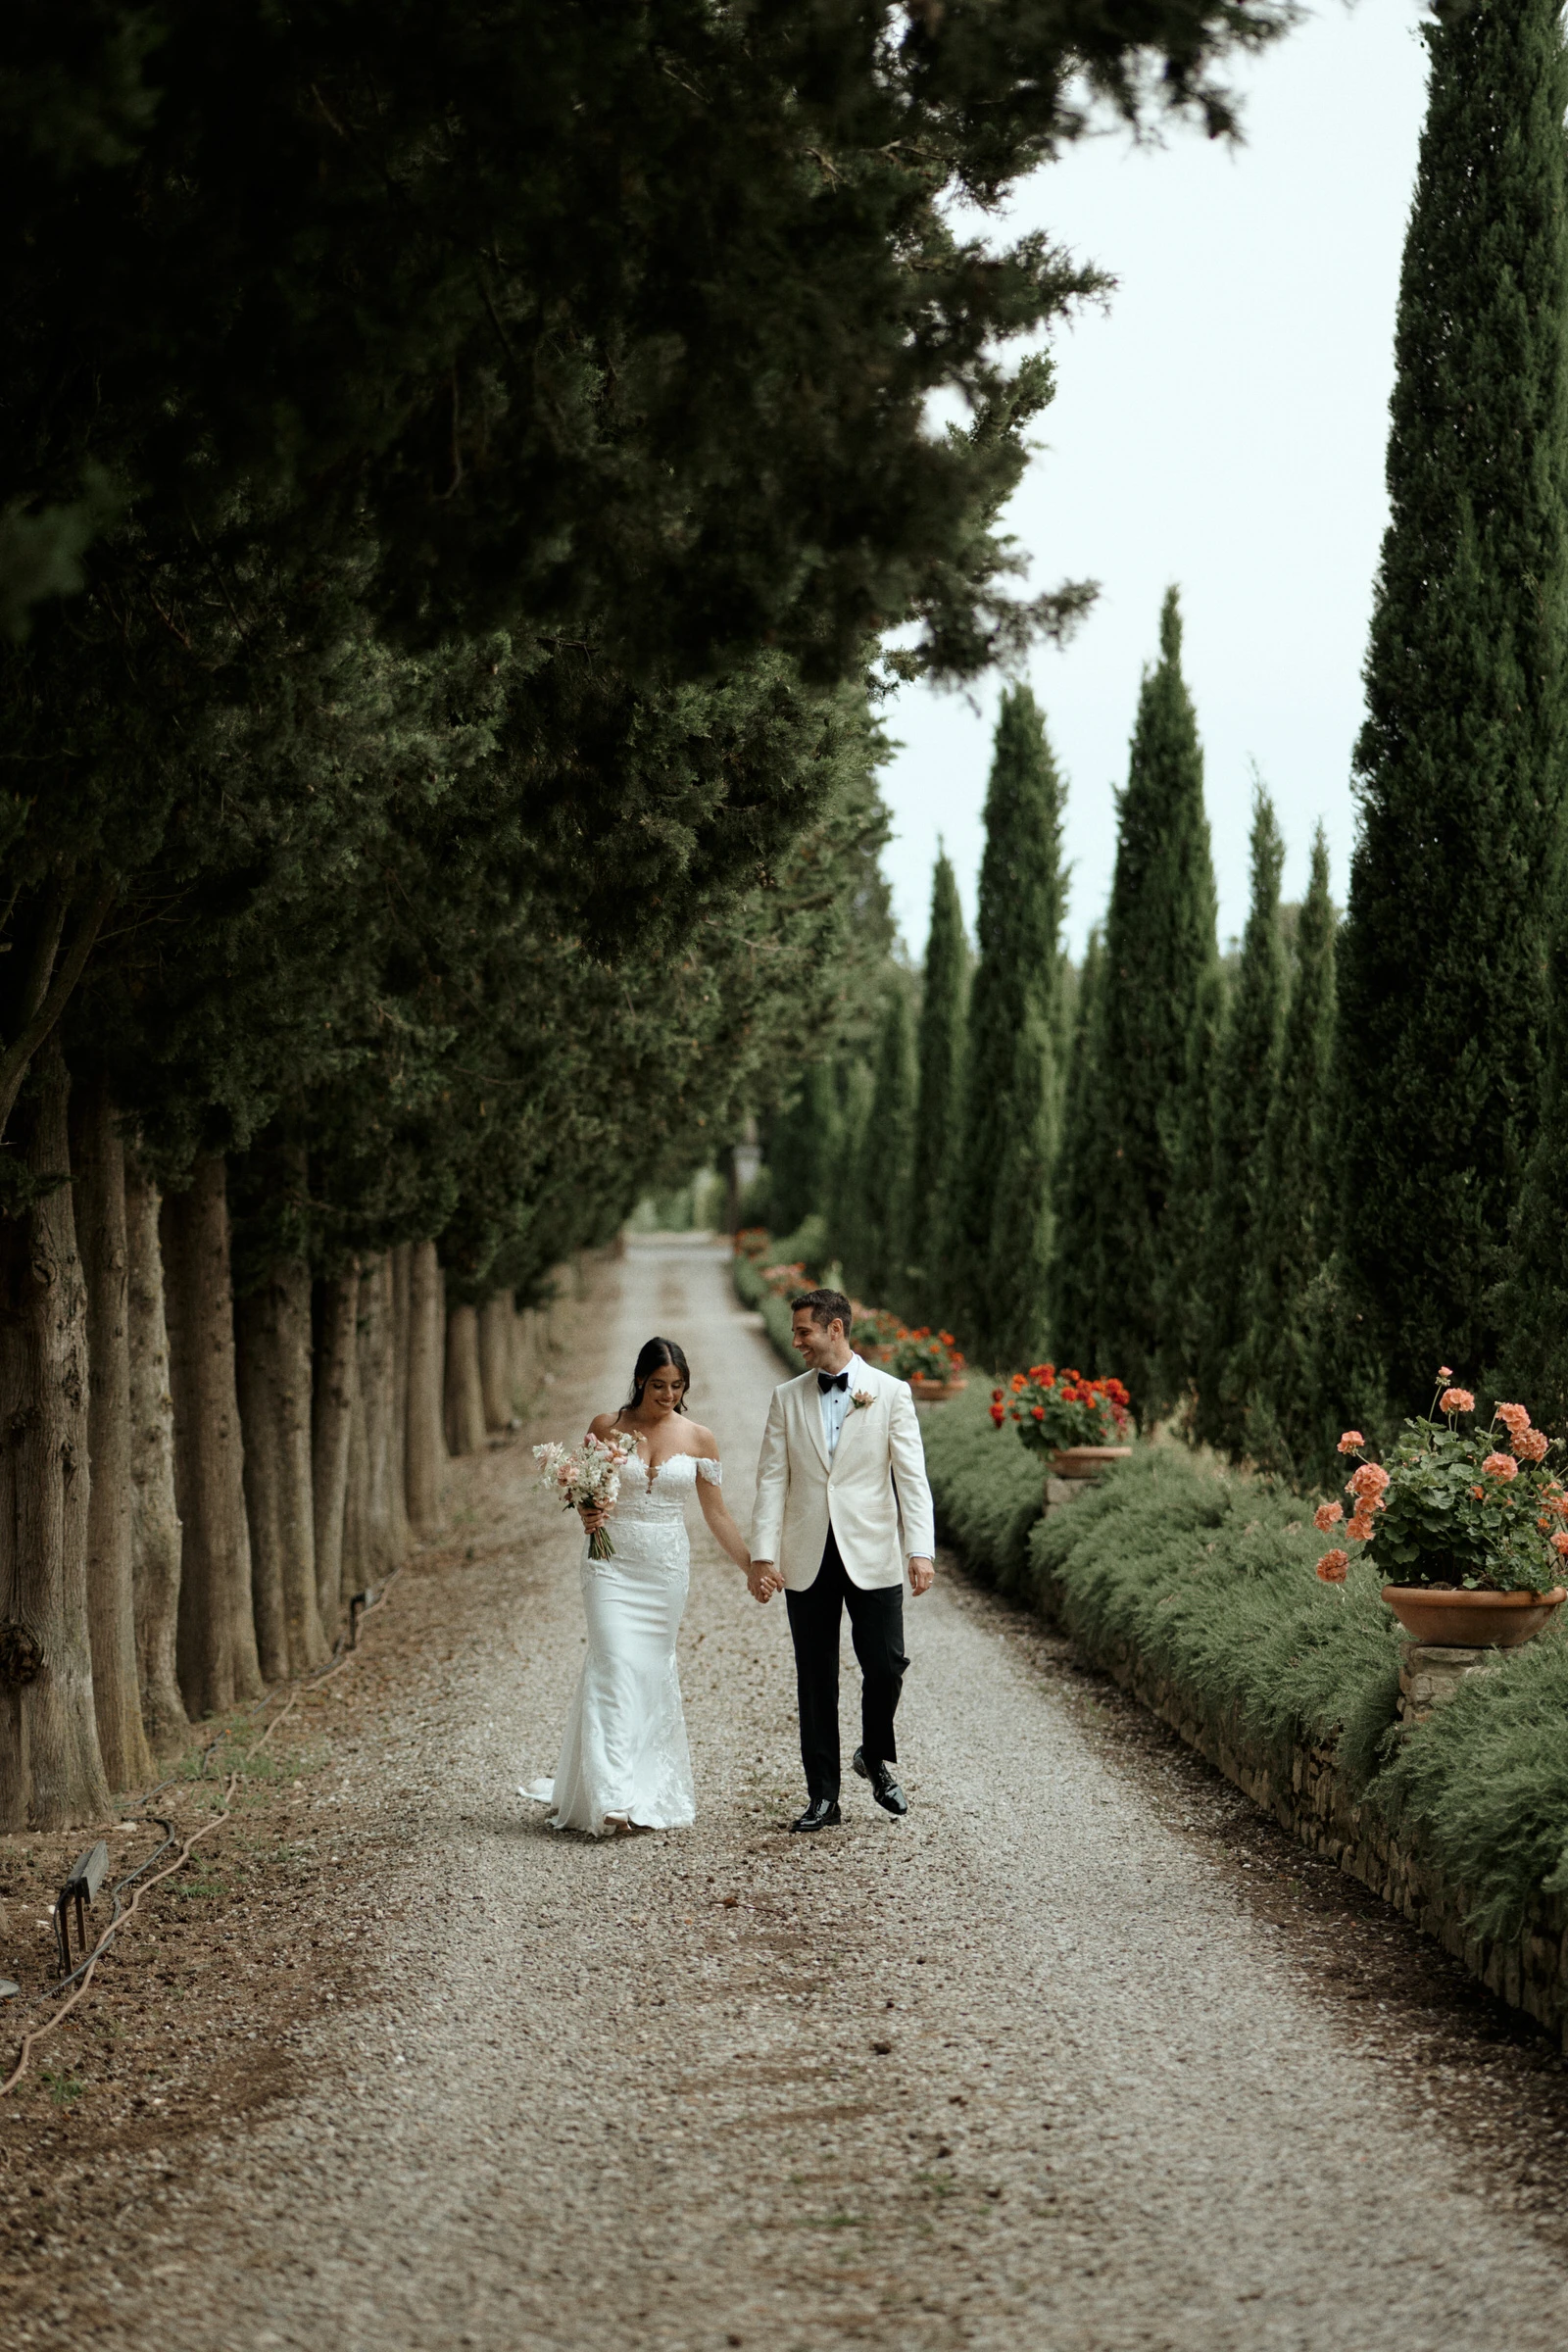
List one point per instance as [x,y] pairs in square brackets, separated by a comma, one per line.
[1159,943]
[939,1098]
[803,1145]
[1445,1521]
[1483,1784]
[1180,1276]
[1460,762]
[1247,1075]
[888,1157]
[1280,1370]
[1001,1238]
[986,1488]
[1077,1276]
[752,1291]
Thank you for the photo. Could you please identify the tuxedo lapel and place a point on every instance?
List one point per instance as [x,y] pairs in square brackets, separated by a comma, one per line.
[810,1406]
[849,1440]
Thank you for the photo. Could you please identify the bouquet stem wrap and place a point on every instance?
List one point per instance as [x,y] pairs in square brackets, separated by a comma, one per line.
[587,1480]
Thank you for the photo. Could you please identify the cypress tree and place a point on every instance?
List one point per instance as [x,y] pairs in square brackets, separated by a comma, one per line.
[1017,977]
[1022,1221]
[1159,942]
[1461,761]
[887,1156]
[849,1230]
[1280,1366]
[1246,1080]
[939,1100]
[1079,1181]
[803,1142]
[1179,1293]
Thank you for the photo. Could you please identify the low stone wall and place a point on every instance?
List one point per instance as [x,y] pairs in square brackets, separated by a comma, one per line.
[1307,1795]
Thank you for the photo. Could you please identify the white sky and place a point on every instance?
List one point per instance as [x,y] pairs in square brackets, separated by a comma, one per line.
[1221,425]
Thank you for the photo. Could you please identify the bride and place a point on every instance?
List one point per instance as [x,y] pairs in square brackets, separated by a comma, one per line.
[625,1763]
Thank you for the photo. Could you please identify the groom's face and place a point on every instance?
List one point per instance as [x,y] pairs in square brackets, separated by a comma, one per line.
[817,1343]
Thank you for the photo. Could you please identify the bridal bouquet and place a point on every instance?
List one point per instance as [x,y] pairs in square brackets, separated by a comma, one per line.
[587,1480]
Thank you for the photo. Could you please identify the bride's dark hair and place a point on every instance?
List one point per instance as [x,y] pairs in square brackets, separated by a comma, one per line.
[651,1355]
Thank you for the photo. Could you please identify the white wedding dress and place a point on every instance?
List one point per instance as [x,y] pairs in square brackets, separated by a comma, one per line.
[625,1748]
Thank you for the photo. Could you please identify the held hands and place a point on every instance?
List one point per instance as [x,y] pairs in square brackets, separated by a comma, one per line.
[761,1580]
[922,1576]
[593,1519]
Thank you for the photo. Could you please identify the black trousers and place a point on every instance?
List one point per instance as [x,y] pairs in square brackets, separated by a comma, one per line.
[876,1625]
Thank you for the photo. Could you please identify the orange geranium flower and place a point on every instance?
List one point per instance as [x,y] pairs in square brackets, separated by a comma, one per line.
[1369,1480]
[1019,1381]
[1456,1401]
[1332,1567]
[1327,1515]
[1352,1441]
[1499,1465]
[1530,1446]
[1559,1543]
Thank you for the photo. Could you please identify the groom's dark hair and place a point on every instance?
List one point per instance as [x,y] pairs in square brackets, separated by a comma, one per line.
[823,1305]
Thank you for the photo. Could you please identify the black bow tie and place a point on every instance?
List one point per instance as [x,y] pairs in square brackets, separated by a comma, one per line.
[832,1379]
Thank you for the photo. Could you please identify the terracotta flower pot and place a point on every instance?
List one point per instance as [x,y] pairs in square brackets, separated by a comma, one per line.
[1472,1620]
[1087,1461]
[932,1392]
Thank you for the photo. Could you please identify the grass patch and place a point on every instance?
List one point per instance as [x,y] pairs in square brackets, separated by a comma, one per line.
[62,2087]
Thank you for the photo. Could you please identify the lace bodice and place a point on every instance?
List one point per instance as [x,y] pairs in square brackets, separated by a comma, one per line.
[663,1497]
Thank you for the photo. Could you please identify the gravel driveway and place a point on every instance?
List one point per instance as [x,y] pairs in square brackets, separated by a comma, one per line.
[1038,2069]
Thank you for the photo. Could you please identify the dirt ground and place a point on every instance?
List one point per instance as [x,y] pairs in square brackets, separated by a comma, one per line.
[1084,2054]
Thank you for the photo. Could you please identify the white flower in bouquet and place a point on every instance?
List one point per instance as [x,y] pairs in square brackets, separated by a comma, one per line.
[587,1480]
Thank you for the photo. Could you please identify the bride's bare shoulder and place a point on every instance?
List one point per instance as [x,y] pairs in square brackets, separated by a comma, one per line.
[702,1442]
[603,1425]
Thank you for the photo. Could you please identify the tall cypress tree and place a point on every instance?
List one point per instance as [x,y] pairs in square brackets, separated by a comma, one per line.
[1022,894]
[887,1159]
[1246,1080]
[1159,942]
[1460,762]
[1279,1366]
[853,1174]
[1182,1271]
[939,1101]
[803,1142]
[1079,1192]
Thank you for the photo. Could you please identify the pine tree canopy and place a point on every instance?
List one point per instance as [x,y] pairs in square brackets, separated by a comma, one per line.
[1159,942]
[630,315]
[1460,762]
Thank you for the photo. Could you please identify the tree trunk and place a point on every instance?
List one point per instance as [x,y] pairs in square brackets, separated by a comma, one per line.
[98,1154]
[427,1448]
[51,1772]
[337,1387]
[273,1328]
[154,1532]
[398,1259]
[379,1549]
[465,1397]
[496,1319]
[218,1660]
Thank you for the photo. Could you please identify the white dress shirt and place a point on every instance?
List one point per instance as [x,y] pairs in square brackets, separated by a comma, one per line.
[836,1403]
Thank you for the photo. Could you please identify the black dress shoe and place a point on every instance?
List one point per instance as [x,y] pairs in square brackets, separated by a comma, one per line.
[822,1813]
[884,1787]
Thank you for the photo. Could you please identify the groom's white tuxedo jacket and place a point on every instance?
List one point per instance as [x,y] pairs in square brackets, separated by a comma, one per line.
[872,1490]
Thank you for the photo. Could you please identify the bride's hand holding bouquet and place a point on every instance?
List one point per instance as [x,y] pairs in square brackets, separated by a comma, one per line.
[588,1481]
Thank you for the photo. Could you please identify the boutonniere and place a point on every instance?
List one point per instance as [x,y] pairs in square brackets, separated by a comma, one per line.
[860,1398]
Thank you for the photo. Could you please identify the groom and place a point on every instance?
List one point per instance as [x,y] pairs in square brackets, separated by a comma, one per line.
[842,1502]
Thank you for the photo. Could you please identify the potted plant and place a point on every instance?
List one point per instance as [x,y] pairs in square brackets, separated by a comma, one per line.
[1470,1524]
[874,1333]
[929,1361]
[1081,1424]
